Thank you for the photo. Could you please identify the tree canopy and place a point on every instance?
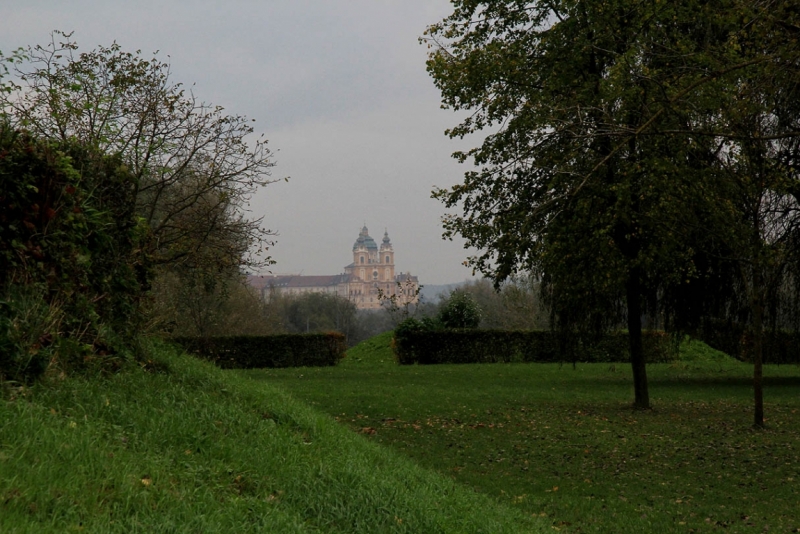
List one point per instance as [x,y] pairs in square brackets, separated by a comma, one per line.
[195,166]
[607,122]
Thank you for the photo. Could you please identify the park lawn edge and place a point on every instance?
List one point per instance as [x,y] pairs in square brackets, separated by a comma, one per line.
[178,445]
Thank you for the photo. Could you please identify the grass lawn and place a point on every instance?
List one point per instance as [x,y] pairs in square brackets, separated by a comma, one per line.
[181,446]
[563,443]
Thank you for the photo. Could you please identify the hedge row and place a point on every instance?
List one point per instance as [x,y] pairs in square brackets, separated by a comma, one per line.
[251,352]
[779,347]
[490,346]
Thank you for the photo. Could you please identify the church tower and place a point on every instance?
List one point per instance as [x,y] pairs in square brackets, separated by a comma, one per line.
[386,259]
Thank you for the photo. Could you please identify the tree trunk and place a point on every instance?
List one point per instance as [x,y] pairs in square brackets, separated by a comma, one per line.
[633,296]
[758,357]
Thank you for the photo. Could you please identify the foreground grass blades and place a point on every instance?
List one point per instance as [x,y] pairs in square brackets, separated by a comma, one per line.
[185,447]
[564,444]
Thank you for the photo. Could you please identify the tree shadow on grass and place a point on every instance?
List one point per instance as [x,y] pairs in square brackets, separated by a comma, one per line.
[738,381]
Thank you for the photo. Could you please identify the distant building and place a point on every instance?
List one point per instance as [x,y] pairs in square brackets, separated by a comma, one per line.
[372,270]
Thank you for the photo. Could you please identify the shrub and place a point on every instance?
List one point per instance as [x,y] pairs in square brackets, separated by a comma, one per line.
[71,260]
[28,329]
[250,352]
[460,311]
[416,345]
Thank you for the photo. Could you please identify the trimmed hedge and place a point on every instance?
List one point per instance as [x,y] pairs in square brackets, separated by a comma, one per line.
[250,352]
[492,346]
[780,347]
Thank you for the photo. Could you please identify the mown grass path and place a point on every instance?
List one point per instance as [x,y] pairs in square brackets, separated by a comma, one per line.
[563,443]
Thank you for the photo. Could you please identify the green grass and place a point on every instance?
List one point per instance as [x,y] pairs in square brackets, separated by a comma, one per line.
[694,350]
[372,352]
[563,444]
[185,447]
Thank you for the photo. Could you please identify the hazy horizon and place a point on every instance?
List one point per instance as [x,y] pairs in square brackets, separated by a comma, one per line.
[341,92]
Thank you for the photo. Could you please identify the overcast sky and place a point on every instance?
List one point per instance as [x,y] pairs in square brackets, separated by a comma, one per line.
[338,87]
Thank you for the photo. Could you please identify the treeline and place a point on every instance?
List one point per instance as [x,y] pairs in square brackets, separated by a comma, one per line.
[233,308]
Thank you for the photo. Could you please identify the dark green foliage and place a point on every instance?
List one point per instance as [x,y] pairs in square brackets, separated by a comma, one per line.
[563,186]
[779,347]
[515,305]
[195,166]
[628,144]
[315,313]
[252,352]
[460,311]
[71,260]
[415,344]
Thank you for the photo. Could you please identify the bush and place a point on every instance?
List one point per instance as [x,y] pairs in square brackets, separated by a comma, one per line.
[28,329]
[417,345]
[71,260]
[460,311]
[251,352]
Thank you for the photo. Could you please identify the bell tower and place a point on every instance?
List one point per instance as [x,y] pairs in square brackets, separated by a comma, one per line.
[386,259]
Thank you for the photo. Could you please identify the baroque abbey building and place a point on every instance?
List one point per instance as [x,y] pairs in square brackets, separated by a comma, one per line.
[372,270]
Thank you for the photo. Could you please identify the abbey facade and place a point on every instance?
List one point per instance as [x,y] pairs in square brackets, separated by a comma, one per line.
[372,272]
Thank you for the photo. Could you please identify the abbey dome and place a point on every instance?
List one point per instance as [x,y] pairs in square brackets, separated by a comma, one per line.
[365,241]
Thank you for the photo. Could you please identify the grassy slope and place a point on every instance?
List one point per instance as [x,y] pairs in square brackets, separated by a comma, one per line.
[376,351]
[564,443]
[193,449]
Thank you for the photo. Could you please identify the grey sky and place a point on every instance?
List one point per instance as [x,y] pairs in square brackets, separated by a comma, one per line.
[338,87]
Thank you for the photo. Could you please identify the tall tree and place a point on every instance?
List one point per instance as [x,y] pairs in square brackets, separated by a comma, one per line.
[631,142]
[568,185]
[756,128]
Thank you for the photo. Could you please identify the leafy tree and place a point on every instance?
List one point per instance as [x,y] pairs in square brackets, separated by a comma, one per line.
[516,305]
[194,167]
[220,305]
[614,126]
[755,125]
[566,186]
